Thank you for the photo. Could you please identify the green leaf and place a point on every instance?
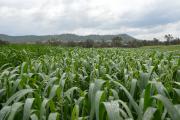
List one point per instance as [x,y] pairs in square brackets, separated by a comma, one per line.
[43,109]
[169,106]
[161,89]
[53,116]
[133,87]
[99,97]
[177,107]
[14,109]
[132,101]
[18,95]
[147,97]
[115,94]
[27,108]
[5,112]
[93,88]
[112,109]
[53,91]
[50,83]
[148,115]
[69,93]
[34,117]
[144,78]
[62,80]
[177,83]
[2,91]
[177,91]
[124,106]
[75,113]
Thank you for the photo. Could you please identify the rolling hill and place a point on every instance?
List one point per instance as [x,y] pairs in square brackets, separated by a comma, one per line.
[63,37]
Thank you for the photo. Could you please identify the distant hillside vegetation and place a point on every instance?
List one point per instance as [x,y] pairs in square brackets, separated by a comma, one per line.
[63,37]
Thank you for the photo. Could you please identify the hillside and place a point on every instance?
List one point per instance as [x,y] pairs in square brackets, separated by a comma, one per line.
[63,37]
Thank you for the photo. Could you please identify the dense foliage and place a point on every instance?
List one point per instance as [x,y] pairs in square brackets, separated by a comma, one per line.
[43,82]
[3,42]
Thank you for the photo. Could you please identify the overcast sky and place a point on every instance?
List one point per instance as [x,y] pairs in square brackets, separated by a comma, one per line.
[144,19]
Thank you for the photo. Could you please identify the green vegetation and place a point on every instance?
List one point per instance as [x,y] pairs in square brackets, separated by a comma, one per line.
[45,82]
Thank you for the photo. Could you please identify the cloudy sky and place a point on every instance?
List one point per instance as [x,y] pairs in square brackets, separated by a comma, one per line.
[144,19]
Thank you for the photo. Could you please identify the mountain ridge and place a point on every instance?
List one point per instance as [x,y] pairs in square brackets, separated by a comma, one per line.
[64,37]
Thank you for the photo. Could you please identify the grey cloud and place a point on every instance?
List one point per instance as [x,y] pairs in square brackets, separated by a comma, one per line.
[57,16]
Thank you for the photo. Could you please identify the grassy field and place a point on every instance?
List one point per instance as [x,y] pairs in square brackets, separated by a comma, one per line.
[50,82]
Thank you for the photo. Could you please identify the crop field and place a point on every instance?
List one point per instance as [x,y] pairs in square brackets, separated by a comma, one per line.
[57,83]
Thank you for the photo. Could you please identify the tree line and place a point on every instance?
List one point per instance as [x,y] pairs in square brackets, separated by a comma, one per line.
[115,42]
[2,42]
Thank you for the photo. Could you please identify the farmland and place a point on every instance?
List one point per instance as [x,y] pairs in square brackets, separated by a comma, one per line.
[51,82]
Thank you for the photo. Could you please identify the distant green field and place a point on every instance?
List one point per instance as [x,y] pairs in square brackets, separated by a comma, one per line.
[52,82]
[163,47]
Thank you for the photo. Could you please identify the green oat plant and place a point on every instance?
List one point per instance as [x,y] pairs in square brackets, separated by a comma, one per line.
[89,84]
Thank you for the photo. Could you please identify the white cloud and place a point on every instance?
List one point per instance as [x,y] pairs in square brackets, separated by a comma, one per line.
[140,18]
[159,31]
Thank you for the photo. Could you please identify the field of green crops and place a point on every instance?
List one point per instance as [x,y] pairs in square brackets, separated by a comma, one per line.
[49,83]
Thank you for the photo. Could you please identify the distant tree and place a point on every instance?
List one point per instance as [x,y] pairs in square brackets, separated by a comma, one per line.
[168,38]
[2,42]
[89,43]
[117,41]
[155,41]
[175,41]
[39,42]
[71,43]
[103,43]
[54,41]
